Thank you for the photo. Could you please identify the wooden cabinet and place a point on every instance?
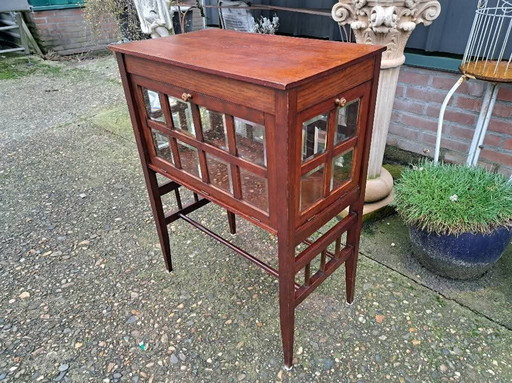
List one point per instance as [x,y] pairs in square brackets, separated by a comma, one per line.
[274,129]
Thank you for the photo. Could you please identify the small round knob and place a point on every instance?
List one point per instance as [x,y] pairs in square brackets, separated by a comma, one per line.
[341,102]
[186,96]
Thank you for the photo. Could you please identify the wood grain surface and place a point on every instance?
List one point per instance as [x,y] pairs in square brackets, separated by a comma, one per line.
[274,61]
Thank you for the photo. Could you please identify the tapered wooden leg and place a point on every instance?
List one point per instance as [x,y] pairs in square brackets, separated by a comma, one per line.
[287,302]
[350,277]
[232,222]
[287,316]
[353,235]
[159,216]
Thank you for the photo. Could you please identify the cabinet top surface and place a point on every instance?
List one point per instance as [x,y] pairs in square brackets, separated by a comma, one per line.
[275,61]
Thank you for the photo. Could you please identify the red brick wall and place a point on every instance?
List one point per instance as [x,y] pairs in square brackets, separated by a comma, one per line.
[65,31]
[419,96]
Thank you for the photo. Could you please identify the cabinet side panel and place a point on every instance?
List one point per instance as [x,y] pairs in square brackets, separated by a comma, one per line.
[338,82]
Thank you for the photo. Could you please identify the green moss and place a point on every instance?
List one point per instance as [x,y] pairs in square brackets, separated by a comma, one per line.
[115,120]
[395,170]
[379,214]
[395,155]
[440,301]
[14,67]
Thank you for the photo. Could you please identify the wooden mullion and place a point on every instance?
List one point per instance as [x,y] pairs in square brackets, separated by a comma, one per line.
[205,176]
[307,274]
[331,130]
[320,244]
[156,125]
[175,152]
[166,108]
[242,208]
[337,247]
[322,260]
[237,181]
[345,146]
[314,163]
[231,136]
[336,202]
[309,243]
[203,146]
[318,278]
[235,170]
[196,116]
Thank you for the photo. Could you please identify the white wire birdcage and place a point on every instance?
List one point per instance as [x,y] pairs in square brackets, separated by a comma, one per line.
[488,54]
[488,57]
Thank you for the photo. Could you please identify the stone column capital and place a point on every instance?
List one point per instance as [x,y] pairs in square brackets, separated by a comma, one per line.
[386,22]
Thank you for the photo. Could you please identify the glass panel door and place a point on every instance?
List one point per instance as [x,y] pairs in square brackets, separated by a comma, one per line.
[328,149]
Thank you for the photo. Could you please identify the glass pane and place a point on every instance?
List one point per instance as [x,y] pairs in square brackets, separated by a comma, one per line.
[182,116]
[346,125]
[341,169]
[161,145]
[153,107]
[189,159]
[314,137]
[214,127]
[311,187]
[220,173]
[250,141]
[254,189]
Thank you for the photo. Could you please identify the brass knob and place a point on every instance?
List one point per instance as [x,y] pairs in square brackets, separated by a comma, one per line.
[341,102]
[186,96]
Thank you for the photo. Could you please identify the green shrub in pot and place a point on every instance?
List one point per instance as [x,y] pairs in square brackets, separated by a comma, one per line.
[459,218]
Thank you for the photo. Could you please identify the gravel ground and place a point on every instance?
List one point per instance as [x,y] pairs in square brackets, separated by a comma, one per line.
[85,296]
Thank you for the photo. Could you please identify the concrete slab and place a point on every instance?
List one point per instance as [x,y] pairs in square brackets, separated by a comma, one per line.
[387,242]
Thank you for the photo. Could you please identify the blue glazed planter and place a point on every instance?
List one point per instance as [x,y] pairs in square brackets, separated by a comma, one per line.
[466,256]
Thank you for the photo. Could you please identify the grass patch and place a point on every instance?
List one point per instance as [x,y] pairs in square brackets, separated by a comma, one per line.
[453,199]
[14,67]
[115,120]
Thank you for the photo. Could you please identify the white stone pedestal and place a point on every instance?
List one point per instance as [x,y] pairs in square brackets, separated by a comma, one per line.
[389,23]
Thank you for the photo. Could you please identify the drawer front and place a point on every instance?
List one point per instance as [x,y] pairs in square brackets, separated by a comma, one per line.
[230,90]
[339,82]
